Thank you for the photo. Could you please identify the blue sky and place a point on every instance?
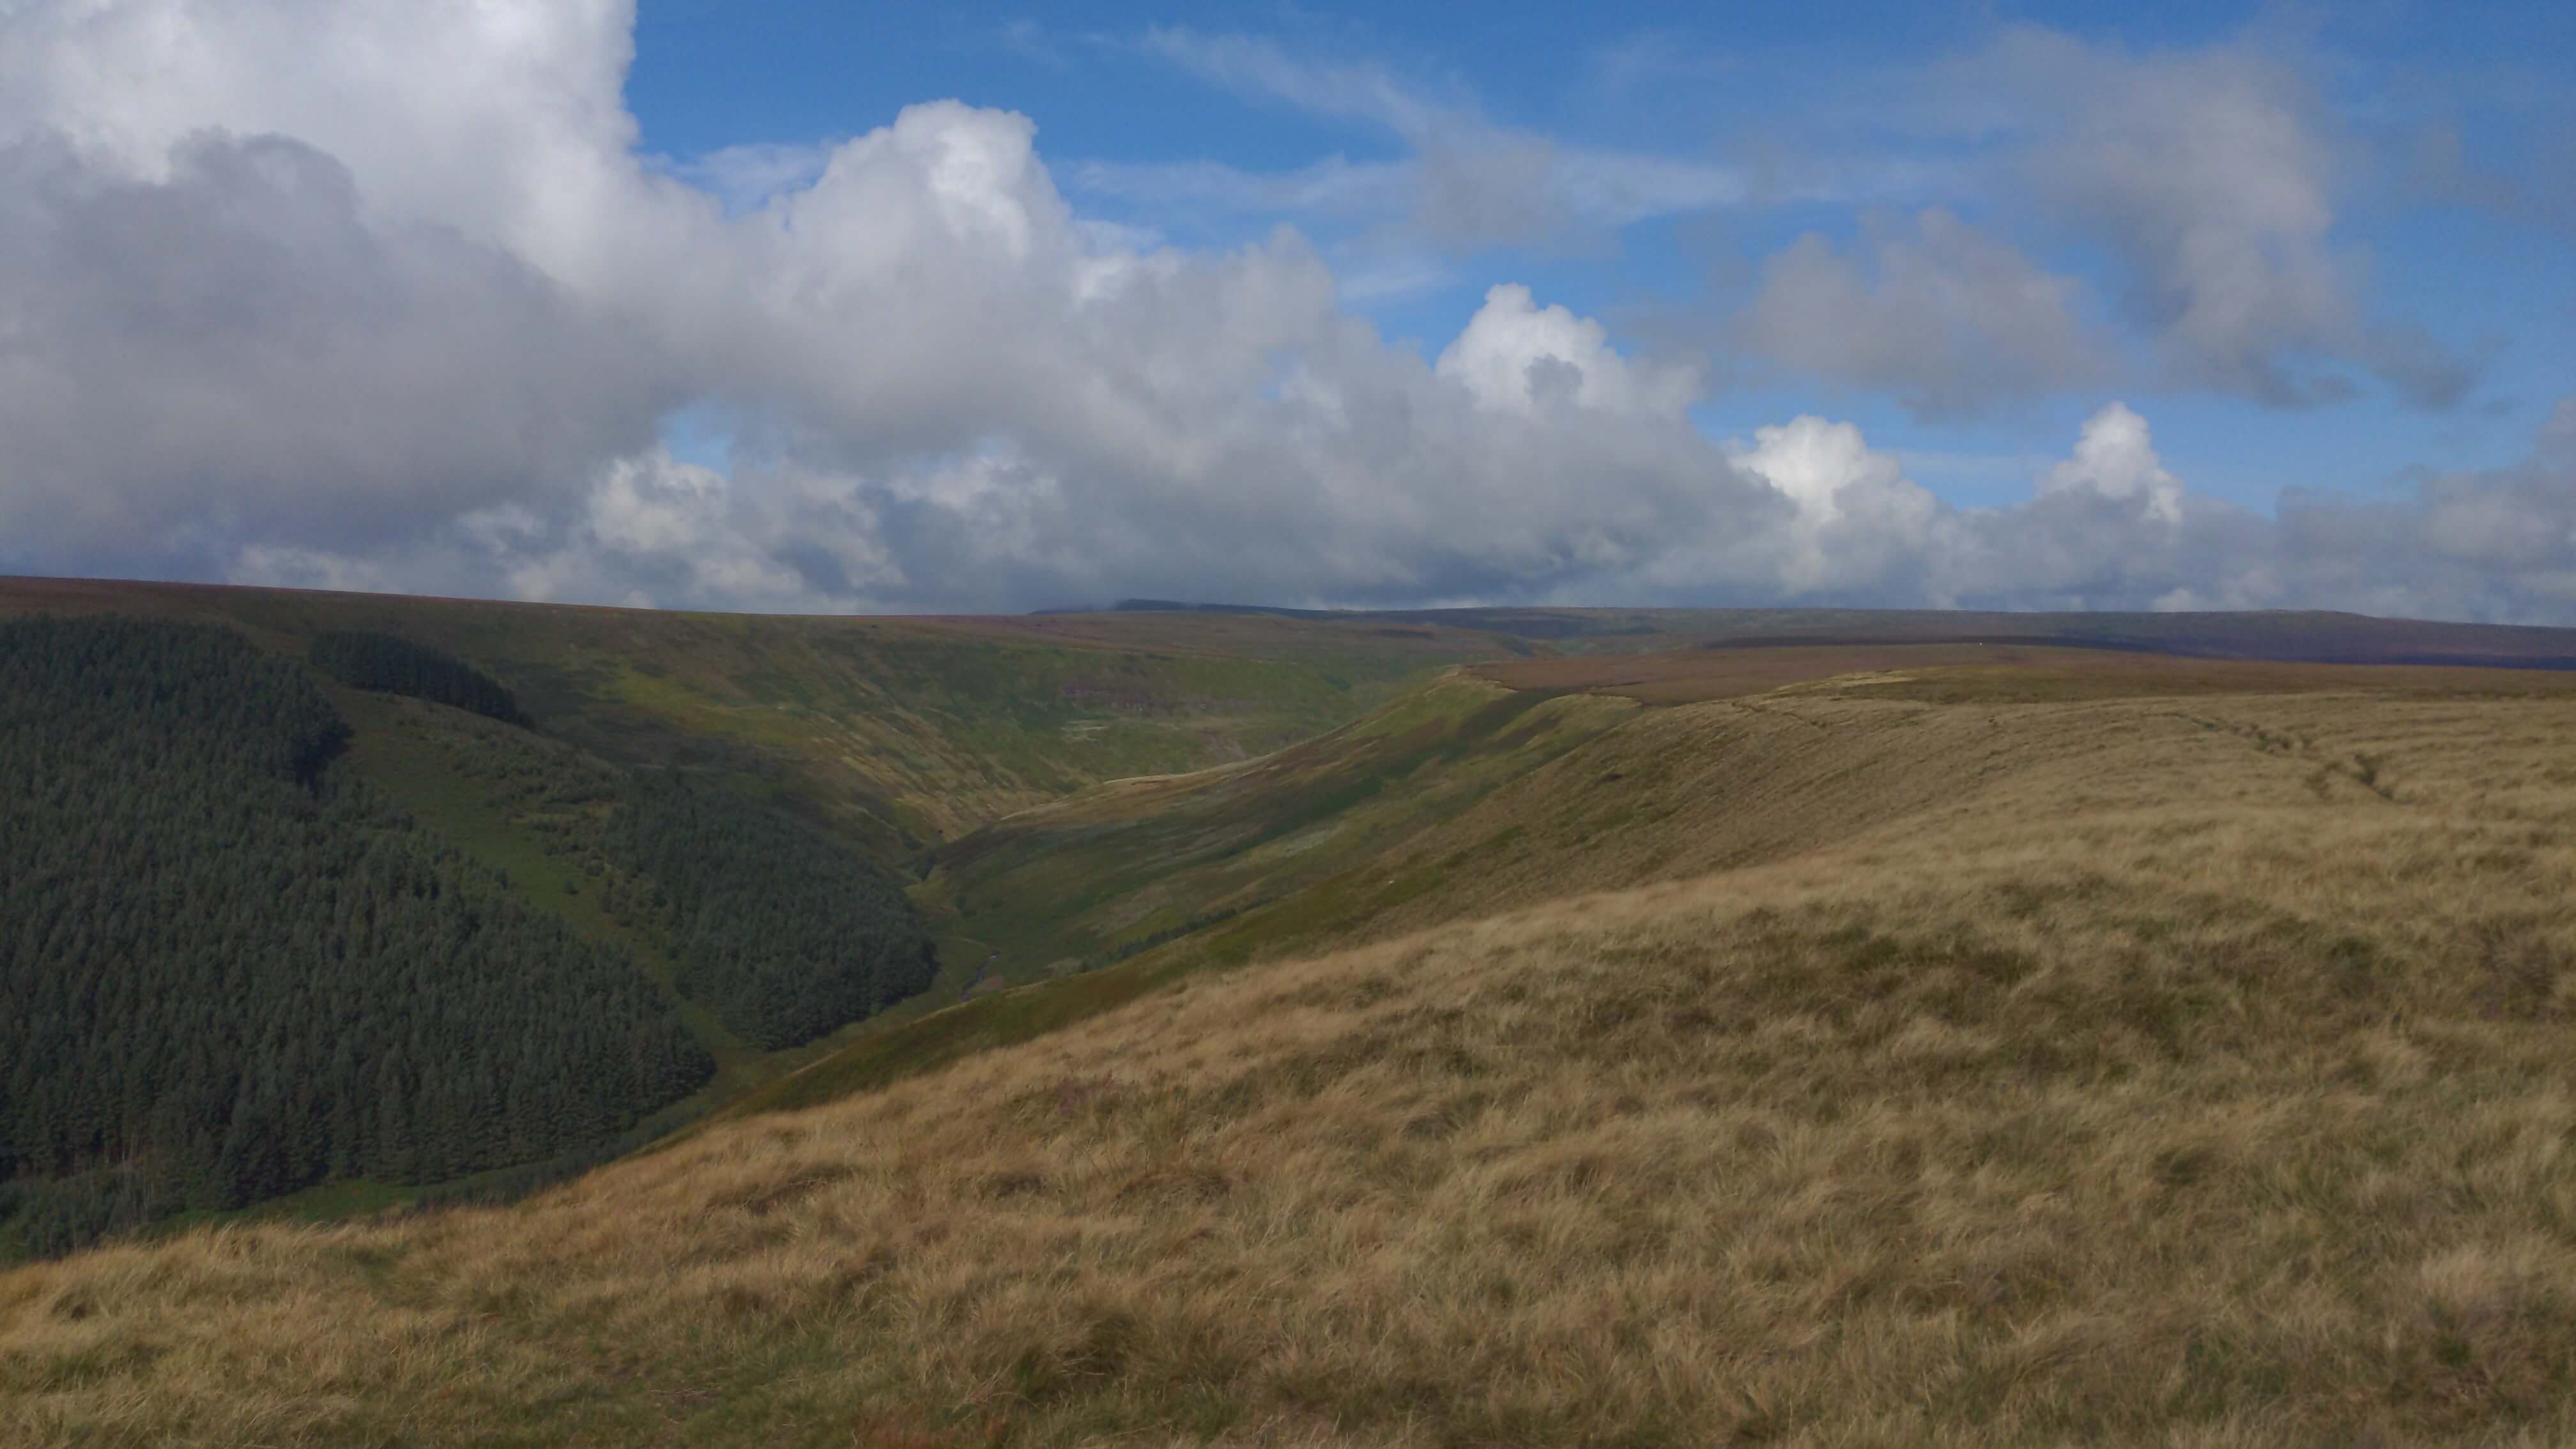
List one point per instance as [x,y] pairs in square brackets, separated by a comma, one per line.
[845,307]
[1676,82]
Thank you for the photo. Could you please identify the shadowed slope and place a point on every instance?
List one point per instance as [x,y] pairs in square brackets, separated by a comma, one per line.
[2204,1074]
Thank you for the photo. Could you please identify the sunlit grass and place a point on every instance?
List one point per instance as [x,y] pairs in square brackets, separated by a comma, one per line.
[2134,1071]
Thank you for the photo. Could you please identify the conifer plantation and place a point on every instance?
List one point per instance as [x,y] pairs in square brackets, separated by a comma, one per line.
[395,665]
[783,931]
[229,970]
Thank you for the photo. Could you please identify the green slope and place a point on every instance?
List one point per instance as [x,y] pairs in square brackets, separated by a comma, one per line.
[903,731]
[531,808]
[1097,802]
[896,732]
[1126,866]
[1468,797]
[911,732]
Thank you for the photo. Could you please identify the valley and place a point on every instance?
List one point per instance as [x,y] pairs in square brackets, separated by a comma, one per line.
[1420,1034]
[1293,726]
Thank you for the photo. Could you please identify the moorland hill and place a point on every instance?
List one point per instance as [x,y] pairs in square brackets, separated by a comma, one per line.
[1886,1042]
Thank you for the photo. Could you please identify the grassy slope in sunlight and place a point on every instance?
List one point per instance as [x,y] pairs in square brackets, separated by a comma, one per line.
[2179,1069]
[1502,784]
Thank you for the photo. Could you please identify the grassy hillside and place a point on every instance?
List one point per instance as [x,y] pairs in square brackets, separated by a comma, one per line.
[1471,798]
[904,731]
[1126,866]
[1995,1058]
[1508,783]
[894,733]
[913,731]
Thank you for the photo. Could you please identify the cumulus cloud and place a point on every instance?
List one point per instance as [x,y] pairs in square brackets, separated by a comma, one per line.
[2111,527]
[1517,356]
[1944,317]
[504,121]
[2115,457]
[229,349]
[953,392]
[382,295]
[1861,525]
[2106,528]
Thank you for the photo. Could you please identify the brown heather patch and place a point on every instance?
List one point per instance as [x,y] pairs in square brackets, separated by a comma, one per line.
[2170,1082]
[1950,672]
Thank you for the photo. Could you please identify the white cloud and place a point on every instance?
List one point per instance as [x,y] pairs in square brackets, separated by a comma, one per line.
[743,177]
[2115,457]
[505,121]
[1518,356]
[1859,518]
[382,294]
[1814,462]
[233,350]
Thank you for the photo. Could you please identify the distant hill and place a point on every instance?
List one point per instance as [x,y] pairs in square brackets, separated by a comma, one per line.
[2309,636]
[902,732]
[911,731]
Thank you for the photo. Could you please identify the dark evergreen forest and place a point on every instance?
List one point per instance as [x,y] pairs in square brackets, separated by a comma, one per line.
[396,665]
[783,931]
[227,971]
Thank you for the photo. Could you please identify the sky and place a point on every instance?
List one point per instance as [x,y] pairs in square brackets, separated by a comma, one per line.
[826,308]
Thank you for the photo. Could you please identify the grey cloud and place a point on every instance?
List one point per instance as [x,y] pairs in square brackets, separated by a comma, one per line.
[2213,177]
[2497,544]
[961,403]
[2541,193]
[1465,182]
[1936,313]
[235,353]
[242,358]
[2112,528]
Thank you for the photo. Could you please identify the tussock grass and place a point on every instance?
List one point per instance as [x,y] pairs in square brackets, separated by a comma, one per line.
[2171,1082]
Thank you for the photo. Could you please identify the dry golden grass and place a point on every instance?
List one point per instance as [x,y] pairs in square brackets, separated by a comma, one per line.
[1689,676]
[2195,1072]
